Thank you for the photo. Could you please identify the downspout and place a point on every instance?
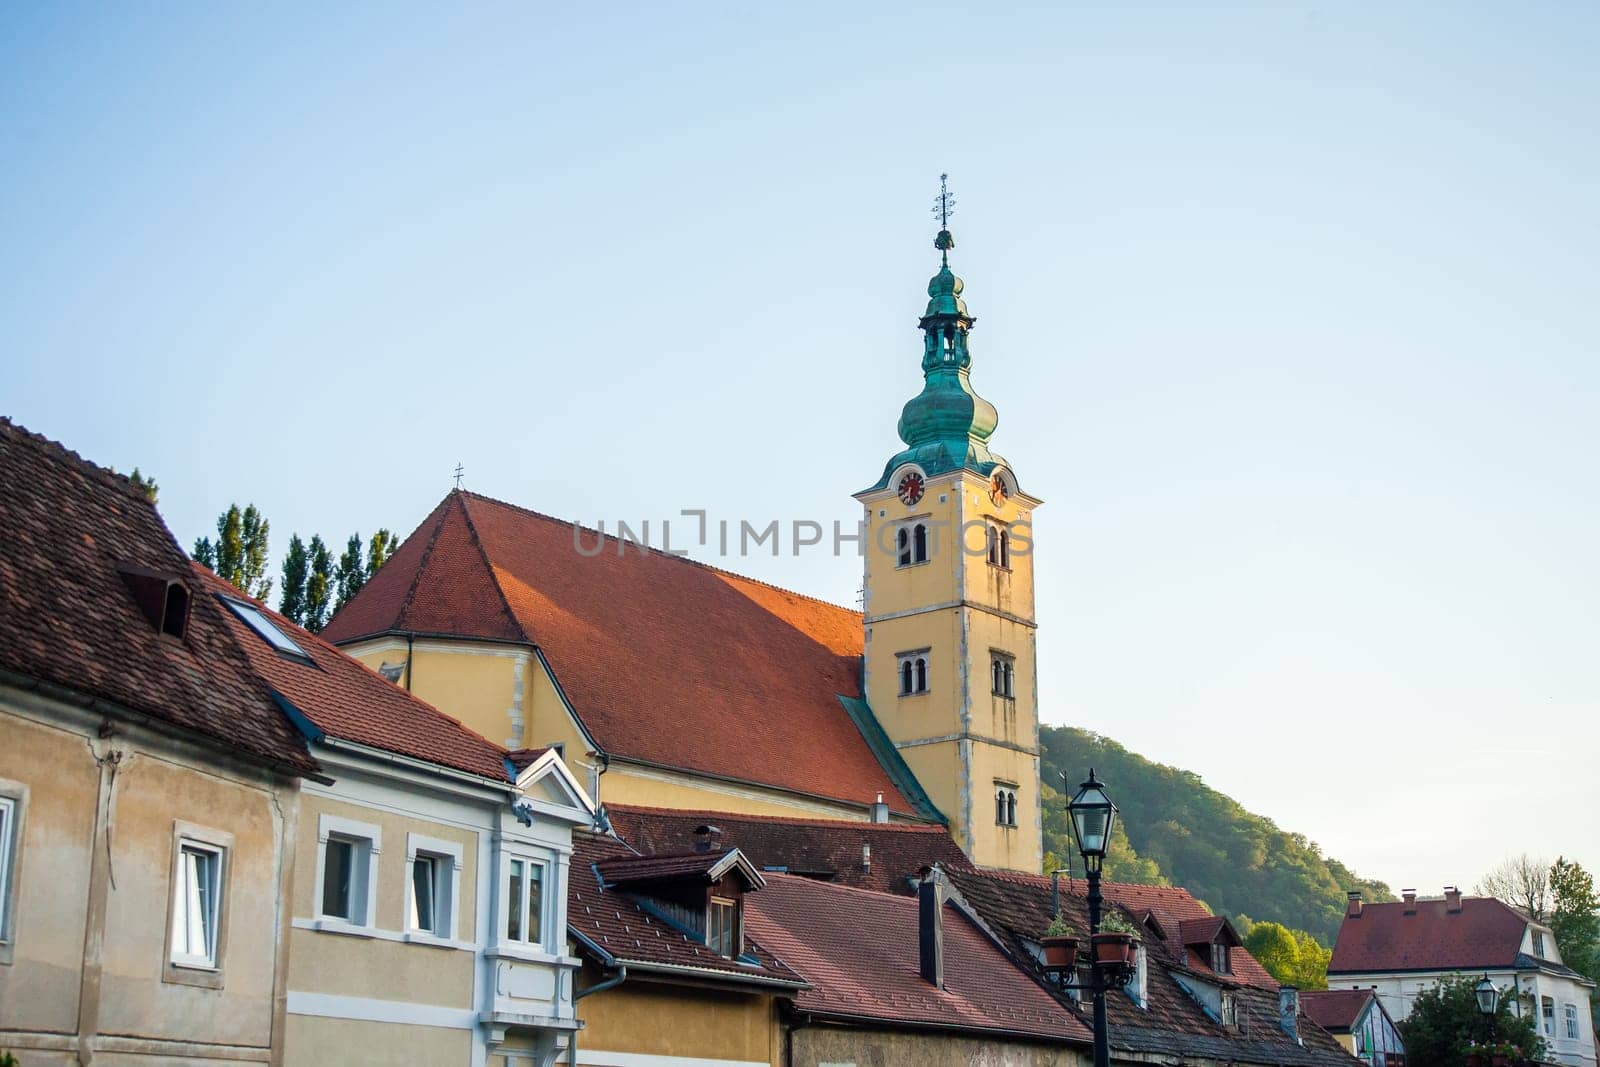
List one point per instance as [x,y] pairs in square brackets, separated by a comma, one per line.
[578,994]
[410,637]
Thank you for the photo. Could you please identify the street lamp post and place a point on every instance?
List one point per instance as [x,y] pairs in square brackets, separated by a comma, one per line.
[1093,815]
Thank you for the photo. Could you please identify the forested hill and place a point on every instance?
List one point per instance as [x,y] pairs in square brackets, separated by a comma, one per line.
[1178,830]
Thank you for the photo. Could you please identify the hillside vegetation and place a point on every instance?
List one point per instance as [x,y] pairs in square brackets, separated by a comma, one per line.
[1176,830]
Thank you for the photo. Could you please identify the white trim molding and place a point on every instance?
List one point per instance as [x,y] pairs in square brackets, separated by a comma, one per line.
[372,1010]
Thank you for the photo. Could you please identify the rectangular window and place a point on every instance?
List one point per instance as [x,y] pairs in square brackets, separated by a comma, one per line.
[433,881]
[1547,1009]
[1219,959]
[525,902]
[425,893]
[338,881]
[1538,944]
[8,834]
[196,905]
[269,632]
[1571,1012]
[1230,1011]
[349,851]
[722,928]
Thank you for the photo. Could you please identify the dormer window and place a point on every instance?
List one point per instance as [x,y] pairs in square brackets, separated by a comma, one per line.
[913,668]
[1538,944]
[723,935]
[911,542]
[1220,961]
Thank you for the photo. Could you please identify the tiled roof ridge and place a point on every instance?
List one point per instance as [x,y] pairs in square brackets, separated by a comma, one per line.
[440,511]
[1044,879]
[790,820]
[301,633]
[875,894]
[665,555]
[56,452]
[494,574]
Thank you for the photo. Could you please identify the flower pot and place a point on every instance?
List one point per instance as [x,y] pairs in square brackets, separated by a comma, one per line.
[1115,948]
[1475,1059]
[1060,953]
[1500,1059]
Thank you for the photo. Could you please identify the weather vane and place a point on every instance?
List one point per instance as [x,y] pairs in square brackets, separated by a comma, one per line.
[458,475]
[943,208]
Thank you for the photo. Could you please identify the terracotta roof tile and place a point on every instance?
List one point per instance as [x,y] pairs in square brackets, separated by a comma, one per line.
[666,661]
[1335,1010]
[858,950]
[1484,933]
[612,922]
[345,698]
[69,619]
[819,848]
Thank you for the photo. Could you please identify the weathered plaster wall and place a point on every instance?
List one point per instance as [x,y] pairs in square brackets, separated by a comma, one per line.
[826,1046]
[320,1042]
[665,1020]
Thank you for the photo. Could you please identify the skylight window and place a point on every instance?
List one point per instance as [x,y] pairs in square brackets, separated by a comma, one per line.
[266,628]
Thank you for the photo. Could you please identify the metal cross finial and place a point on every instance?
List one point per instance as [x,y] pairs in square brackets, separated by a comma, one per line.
[458,475]
[945,206]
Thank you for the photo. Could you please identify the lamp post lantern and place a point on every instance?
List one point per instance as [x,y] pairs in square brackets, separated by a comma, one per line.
[1488,1001]
[1093,816]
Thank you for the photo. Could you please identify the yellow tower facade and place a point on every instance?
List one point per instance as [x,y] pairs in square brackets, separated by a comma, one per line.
[949,605]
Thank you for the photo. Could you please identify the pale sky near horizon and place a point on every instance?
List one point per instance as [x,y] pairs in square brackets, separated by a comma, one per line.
[1289,312]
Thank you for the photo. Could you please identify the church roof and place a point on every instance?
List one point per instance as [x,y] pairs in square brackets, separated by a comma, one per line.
[663,660]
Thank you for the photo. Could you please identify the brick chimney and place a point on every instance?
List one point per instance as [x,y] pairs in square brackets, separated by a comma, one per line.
[930,927]
[708,838]
[1289,1012]
[1452,899]
[1410,898]
[1353,906]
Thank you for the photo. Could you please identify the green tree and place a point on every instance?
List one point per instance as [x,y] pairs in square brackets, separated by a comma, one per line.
[1180,831]
[1275,948]
[205,553]
[1313,970]
[379,549]
[239,554]
[145,485]
[1575,917]
[1444,1020]
[351,575]
[319,585]
[296,569]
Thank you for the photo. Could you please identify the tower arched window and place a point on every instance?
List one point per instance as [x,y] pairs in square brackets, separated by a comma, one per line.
[1003,674]
[913,668]
[911,543]
[1005,804]
[999,545]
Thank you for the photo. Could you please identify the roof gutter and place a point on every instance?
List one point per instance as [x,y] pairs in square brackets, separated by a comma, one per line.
[421,766]
[675,970]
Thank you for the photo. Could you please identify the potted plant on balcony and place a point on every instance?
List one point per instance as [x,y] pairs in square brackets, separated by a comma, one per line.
[1504,1054]
[1117,941]
[1475,1056]
[1060,943]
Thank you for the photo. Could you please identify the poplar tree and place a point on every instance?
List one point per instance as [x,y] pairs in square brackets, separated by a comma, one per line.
[379,549]
[204,553]
[319,586]
[296,569]
[352,574]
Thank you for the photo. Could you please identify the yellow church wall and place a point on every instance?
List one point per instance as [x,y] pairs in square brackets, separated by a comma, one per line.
[472,681]
[918,715]
[1010,719]
[1013,847]
[646,1018]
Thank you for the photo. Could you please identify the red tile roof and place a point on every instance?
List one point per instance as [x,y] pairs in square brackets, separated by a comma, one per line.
[1171,1023]
[666,661]
[1484,933]
[344,698]
[858,951]
[69,619]
[1335,1010]
[699,866]
[819,848]
[612,925]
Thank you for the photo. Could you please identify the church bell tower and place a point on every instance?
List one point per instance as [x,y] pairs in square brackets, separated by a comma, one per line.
[950,631]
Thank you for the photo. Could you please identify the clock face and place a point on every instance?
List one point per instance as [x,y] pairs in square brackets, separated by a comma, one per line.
[997,489]
[910,488]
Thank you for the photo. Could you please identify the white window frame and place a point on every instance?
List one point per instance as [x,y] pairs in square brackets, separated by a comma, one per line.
[1538,944]
[187,968]
[14,799]
[447,856]
[736,933]
[547,890]
[358,833]
[1547,1013]
[1569,1014]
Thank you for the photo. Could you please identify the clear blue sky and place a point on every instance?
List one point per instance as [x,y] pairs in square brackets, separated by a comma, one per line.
[1289,312]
